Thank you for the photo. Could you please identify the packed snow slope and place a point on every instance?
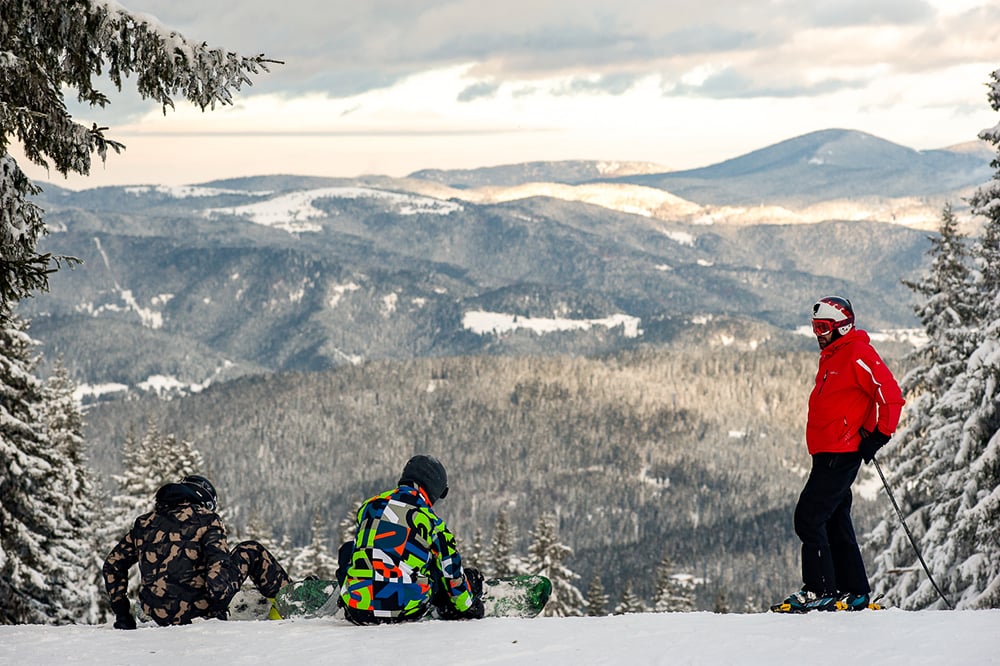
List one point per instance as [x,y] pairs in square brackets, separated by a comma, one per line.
[885,638]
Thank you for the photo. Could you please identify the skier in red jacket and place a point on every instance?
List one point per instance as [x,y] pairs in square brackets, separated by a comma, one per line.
[853,411]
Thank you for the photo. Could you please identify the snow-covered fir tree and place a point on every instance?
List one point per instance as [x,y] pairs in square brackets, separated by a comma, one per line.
[53,48]
[502,561]
[630,601]
[133,496]
[80,591]
[597,598]
[547,556]
[256,530]
[948,320]
[917,457]
[36,536]
[672,594]
[977,477]
[347,528]
[473,551]
[315,558]
[955,517]
[148,464]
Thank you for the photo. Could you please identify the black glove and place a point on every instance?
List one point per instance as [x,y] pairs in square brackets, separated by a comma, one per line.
[475,580]
[476,611]
[871,442]
[123,615]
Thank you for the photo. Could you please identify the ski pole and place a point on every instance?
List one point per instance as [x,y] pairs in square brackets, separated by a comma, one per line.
[908,534]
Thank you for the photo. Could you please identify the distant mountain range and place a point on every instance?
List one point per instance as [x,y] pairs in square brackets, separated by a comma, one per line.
[185,286]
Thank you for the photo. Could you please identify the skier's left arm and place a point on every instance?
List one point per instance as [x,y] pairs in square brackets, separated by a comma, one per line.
[221,579]
[887,403]
[454,577]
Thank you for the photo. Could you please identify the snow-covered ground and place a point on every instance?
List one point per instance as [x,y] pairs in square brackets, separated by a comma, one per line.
[885,638]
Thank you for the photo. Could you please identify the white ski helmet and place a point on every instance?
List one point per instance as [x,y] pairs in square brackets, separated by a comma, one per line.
[832,313]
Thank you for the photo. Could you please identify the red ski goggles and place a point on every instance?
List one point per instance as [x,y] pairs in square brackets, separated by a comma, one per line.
[825,326]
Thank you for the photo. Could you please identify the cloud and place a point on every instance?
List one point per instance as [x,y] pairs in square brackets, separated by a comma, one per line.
[477,91]
[846,13]
[343,48]
[731,83]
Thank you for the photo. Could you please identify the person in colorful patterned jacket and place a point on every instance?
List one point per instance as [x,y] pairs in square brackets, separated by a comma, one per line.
[403,561]
[185,563]
[853,411]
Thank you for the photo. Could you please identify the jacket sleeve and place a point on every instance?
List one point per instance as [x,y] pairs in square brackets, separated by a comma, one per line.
[452,573]
[222,578]
[115,570]
[875,377]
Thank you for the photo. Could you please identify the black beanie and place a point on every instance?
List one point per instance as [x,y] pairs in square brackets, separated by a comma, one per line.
[428,473]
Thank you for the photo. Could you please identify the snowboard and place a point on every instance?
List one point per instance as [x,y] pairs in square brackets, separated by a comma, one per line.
[249,604]
[508,596]
[516,596]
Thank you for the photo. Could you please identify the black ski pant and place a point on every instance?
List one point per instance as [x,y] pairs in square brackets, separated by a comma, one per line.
[831,558]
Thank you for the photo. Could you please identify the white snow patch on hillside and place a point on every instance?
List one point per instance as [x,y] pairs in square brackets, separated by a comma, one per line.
[187,191]
[164,386]
[721,339]
[293,211]
[914,336]
[634,199]
[149,318]
[680,237]
[389,302]
[86,392]
[616,168]
[650,202]
[497,323]
[338,292]
[167,386]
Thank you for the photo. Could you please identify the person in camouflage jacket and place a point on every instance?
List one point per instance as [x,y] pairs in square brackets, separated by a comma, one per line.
[403,561]
[186,567]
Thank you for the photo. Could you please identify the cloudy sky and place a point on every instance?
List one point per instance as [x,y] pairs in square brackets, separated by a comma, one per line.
[392,86]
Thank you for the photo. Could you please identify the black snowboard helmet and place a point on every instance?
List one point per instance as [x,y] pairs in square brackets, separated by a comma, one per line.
[428,473]
[204,489]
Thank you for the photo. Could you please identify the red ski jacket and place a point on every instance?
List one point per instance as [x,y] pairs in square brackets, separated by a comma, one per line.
[854,390]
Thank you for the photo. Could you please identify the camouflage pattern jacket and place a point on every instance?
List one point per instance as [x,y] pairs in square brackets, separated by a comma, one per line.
[183,560]
[404,555]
